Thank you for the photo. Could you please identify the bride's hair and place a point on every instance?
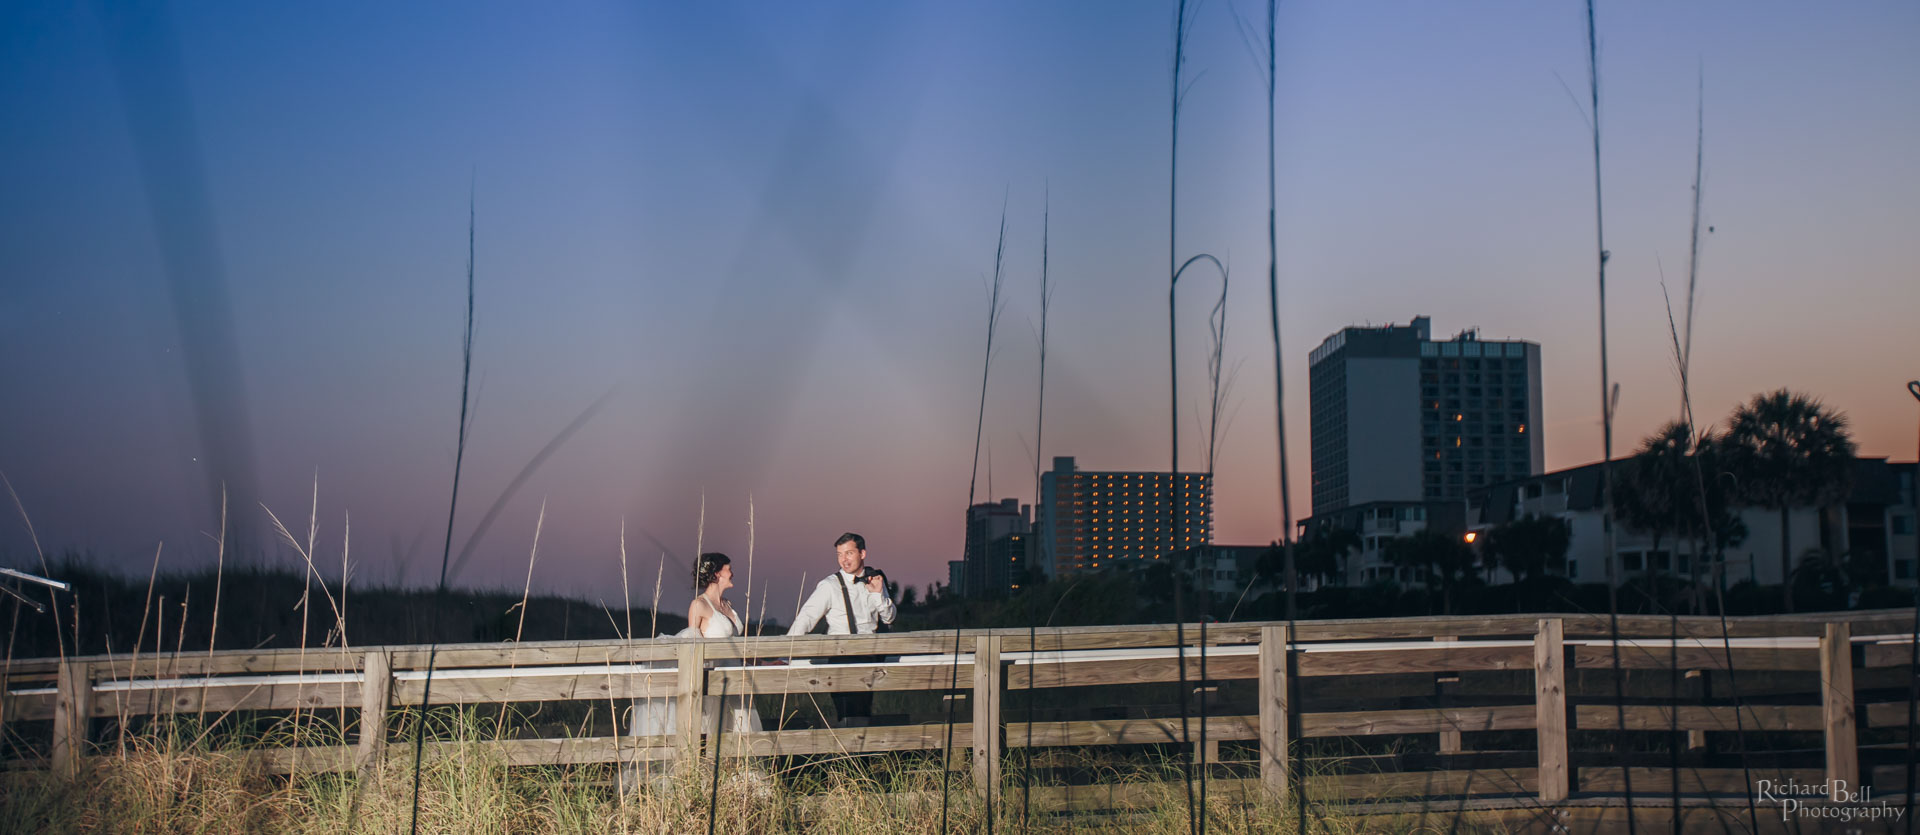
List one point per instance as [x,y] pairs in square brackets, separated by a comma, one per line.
[706,569]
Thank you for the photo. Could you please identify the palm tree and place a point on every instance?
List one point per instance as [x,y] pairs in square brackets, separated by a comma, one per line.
[1667,486]
[1447,560]
[1321,555]
[1789,451]
[1531,546]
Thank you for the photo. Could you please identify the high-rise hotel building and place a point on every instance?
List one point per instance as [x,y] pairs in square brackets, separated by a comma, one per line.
[1089,520]
[995,560]
[1398,416]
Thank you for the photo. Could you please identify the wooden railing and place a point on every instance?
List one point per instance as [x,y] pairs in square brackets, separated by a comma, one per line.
[1798,674]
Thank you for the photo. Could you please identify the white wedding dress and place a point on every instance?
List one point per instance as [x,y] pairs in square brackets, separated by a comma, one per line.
[739,715]
[657,716]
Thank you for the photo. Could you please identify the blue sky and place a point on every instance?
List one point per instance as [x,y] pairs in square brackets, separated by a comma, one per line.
[767,229]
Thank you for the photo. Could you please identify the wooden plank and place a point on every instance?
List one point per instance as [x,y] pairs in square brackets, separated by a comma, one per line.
[1439,658]
[220,694]
[1836,704]
[1275,645]
[257,662]
[1657,782]
[1129,731]
[520,686]
[1550,710]
[1380,629]
[1891,780]
[922,737]
[31,669]
[1745,659]
[1123,671]
[1886,655]
[1124,637]
[986,715]
[1887,715]
[1418,721]
[1354,787]
[1100,797]
[826,646]
[204,698]
[298,760]
[1754,626]
[513,752]
[837,678]
[540,654]
[70,717]
[1695,718]
[376,690]
[689,693]
[38,707]
[576,751]
[219,662]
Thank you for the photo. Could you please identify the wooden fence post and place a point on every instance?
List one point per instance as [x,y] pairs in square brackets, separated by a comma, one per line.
[1449,739]
[1836,709]
[1274,647]
[986,715]
[1550,709]
[376,691]
[689,689]
[72,710]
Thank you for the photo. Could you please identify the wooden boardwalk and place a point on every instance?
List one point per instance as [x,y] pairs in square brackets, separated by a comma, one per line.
[1821,677]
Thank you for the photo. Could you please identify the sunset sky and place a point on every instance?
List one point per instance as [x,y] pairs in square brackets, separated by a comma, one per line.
[768,229]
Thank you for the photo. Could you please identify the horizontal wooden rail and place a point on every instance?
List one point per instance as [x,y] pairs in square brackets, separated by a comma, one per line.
[547,684]
[1129,731]
[1523,781]
[1888,622]
[837,678]
[1593,656]
[1698,718]
[1417,721]
[1659,781]
[923,737]
[1887,715]
[1449,657]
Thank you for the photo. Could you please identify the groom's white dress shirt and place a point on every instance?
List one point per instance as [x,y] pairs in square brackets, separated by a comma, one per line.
[870,608]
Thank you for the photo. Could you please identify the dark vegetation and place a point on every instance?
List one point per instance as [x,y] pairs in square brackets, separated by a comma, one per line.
[260,608]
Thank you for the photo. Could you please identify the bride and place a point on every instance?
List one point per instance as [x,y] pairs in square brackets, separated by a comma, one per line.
[710,615]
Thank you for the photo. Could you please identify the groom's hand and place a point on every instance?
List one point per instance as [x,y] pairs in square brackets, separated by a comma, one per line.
[876,581]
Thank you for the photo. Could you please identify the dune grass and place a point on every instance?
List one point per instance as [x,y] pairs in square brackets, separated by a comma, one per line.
[175,778]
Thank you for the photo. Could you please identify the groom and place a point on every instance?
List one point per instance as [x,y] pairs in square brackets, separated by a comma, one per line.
[853,601]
